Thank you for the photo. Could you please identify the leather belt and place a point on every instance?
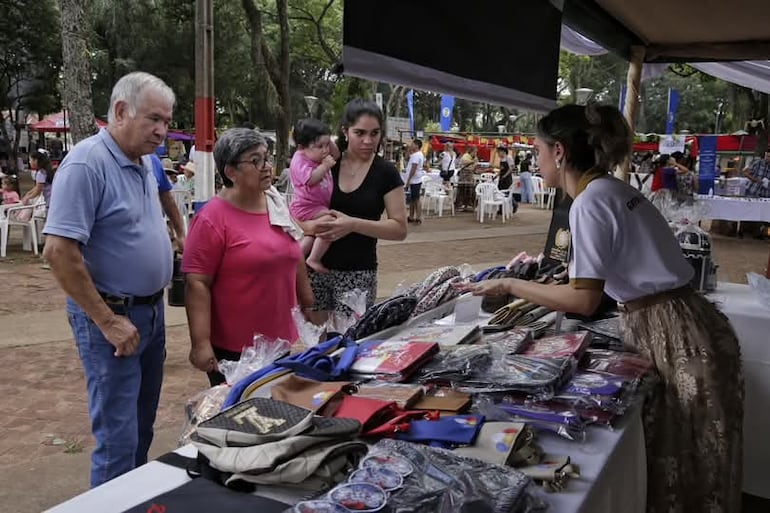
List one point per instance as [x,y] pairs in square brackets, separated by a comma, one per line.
[129,301]
[654,299]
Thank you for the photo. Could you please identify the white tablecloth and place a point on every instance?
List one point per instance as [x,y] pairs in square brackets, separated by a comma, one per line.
[612,464]
[751,321]
[735,209]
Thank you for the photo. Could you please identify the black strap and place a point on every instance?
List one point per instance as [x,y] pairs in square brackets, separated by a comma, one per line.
[177,460]
[200,467]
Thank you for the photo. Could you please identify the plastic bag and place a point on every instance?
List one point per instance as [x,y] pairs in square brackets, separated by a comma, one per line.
[355,303]
[309,333]
[454,364]
[440,481]
[507,372]
[555,417]
[761,287]
[261,353]
[201,407]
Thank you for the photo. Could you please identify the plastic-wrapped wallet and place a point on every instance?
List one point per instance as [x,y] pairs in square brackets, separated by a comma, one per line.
[553,472]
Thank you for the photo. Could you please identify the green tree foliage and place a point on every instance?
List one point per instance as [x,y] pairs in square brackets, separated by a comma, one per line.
[30,60]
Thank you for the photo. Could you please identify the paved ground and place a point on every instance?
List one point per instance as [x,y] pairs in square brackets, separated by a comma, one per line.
[46,436]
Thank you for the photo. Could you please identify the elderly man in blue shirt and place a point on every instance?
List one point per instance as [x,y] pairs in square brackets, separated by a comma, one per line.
[109,250]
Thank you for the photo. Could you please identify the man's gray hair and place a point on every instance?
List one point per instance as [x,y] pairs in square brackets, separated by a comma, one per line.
[234,143]
[130,88]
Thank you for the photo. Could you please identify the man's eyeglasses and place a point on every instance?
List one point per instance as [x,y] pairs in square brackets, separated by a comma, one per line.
[258,162]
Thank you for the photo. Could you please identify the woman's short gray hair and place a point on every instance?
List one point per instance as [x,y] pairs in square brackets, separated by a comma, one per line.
[231,145]
[129,89]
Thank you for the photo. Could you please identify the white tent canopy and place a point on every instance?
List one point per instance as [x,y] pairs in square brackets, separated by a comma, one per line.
[752,74]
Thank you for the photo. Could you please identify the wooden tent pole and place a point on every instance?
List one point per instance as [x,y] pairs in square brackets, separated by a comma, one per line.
[633,80]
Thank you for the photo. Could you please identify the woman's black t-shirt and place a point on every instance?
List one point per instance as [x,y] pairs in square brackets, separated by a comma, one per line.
[357,252]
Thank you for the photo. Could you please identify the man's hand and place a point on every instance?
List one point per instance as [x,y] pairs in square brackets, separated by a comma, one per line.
[202,357]
[180,239]
[121,333]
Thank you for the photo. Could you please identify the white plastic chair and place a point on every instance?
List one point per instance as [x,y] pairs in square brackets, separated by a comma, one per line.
[289,194]
[539,191]
[488,196]
[435,194]
[488,177]
[183,200]
[9,217]
[551,198]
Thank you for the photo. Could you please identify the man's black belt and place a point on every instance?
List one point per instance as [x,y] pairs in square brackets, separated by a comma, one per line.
[128,301]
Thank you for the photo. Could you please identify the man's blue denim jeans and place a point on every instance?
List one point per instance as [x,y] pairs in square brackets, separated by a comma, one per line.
[123,392]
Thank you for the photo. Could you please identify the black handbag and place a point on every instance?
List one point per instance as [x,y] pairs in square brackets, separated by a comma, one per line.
[384,315]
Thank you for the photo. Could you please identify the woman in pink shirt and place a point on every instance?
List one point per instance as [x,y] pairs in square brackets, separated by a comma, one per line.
[244,266]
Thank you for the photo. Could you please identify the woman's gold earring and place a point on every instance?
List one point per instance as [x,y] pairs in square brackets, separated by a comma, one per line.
[558,163]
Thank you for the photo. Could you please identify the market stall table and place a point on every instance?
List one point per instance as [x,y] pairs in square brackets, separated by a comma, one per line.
[612,465]
[751,321]
[734,208]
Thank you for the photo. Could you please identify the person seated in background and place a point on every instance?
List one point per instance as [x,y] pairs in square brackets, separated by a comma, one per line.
[10,191]
[282,181]
[758,174]
[187,180]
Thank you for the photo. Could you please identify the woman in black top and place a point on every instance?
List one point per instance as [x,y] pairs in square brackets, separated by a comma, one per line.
[365,186]
[505,179]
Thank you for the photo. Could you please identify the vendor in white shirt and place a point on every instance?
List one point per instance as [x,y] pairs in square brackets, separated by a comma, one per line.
[413,180]
[622,244]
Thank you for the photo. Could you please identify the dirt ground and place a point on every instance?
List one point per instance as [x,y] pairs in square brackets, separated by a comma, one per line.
[42,391]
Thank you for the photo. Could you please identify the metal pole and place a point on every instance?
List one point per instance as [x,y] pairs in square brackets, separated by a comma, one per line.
[633,80]
[205,134]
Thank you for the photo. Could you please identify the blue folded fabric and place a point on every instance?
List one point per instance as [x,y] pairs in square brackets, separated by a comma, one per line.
[447,432]
[314,363]
[486,272]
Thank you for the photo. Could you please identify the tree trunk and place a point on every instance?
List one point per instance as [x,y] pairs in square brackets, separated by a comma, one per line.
[76,70]
[277,71]
[283,127]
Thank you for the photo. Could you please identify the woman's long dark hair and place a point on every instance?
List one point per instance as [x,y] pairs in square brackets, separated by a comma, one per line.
[44,162]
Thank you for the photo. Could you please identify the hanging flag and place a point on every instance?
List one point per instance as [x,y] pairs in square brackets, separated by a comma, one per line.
[410,108]
[622,100]
[447,105]
[673,105]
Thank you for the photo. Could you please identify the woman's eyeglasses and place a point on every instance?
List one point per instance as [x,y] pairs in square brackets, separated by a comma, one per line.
[258,162]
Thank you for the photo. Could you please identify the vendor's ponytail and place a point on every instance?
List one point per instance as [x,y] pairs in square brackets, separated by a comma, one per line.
[608,134]
[594,136]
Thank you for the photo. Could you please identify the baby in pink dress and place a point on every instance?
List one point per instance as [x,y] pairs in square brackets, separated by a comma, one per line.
[310,172]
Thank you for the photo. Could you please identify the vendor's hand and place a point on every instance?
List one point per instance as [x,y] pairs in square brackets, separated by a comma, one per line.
[202,357]
[121,333]
[765,183]
[499,287]
[328,161]
[341,226]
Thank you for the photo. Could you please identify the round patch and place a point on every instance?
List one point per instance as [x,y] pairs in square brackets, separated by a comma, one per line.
[364,497]
[391,462]
[505,439]
[386,479]
[320,398]
[319,507]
